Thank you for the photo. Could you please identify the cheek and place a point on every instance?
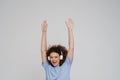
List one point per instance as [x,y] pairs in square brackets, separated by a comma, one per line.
[58,59]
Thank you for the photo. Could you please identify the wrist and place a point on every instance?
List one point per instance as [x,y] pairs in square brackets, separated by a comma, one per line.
[70,29]
[44,31]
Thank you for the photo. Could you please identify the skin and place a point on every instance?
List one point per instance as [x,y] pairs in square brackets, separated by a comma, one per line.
[55,61]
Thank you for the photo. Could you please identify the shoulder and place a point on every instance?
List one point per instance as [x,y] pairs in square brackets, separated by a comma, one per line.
[45,64]
[68,61]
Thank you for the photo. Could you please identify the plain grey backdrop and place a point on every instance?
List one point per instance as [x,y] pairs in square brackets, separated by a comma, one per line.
[96,33]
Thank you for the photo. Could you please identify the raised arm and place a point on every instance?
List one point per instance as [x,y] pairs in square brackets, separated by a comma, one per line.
[44,40]
[70,24]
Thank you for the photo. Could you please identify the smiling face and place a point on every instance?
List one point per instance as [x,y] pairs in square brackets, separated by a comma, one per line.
[55,59]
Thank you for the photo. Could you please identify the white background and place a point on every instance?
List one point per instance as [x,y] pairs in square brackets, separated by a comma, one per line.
[96,33]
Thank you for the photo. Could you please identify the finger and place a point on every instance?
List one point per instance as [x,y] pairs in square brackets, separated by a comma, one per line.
[70,20]
[45,21]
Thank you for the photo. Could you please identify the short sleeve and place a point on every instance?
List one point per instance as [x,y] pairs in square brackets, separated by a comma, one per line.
[45,64]
[68,61]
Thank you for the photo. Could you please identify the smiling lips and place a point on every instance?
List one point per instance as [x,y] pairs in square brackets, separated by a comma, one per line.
[54,62]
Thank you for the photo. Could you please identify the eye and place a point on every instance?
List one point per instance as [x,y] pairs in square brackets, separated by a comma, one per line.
[56,56]
[51,57]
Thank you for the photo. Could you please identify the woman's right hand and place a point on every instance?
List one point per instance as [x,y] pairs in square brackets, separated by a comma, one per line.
[69,23]
[44,26]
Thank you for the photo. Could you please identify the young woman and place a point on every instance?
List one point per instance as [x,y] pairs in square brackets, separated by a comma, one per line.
[56,59]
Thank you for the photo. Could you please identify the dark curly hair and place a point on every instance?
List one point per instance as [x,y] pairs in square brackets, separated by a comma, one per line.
[58,49]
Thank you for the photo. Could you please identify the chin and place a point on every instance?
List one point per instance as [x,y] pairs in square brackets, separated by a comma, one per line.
[54,65]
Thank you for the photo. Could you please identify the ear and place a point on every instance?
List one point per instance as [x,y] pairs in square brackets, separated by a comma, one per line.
[61,57]
[49,58]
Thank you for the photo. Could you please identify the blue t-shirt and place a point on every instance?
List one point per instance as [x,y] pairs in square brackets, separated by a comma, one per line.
[58,72]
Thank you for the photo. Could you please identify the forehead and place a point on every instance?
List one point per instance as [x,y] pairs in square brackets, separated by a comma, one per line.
[54,54]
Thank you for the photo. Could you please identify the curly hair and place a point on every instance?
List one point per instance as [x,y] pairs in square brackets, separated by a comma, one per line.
[58,49]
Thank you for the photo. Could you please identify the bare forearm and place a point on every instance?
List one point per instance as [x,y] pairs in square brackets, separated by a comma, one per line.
[43,46]
[70,39]
[44,42]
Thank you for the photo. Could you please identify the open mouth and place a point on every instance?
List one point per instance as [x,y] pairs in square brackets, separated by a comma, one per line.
[54,62]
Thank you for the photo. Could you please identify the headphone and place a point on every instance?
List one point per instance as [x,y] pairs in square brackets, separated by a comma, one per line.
[61,56]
